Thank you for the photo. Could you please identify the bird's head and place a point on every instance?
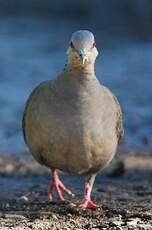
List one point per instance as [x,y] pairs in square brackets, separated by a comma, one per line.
[82,50]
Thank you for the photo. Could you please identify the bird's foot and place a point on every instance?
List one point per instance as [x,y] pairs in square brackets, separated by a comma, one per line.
[58,186]
[88,203]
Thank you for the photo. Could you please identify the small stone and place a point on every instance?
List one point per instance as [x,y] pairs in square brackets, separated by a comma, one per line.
[72,221]
[54,217]
[24,199]
[119,228]
[69,215]
[116,169]
[10,168]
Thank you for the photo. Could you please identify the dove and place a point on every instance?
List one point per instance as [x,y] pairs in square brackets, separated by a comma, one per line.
[73,123]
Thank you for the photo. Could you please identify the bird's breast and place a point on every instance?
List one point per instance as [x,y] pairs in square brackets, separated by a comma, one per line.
[70,131]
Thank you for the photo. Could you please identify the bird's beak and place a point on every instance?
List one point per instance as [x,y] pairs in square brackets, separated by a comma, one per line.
[82,56]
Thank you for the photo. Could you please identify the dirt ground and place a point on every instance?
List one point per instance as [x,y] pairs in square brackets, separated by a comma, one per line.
[126,199]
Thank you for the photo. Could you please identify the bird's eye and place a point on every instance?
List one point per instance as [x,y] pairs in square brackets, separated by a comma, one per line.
[72,46]
[93,45]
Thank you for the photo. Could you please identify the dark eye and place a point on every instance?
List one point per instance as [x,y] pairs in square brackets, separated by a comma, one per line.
[93,45]
[72,46]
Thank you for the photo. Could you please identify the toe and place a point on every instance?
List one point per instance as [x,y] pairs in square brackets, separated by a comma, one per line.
[66,190]
[88,204]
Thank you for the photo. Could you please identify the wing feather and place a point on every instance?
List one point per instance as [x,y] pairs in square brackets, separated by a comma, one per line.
[29,101]
[119,122]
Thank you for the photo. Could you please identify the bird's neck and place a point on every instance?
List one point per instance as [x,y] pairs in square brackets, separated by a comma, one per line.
[75,67]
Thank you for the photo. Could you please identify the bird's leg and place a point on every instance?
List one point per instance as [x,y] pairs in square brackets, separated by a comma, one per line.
[87,202]
[58,186]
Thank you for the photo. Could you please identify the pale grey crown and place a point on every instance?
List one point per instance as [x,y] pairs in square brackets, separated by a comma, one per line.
[82,40]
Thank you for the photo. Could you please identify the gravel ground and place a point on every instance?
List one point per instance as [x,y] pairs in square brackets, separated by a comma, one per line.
[126,200]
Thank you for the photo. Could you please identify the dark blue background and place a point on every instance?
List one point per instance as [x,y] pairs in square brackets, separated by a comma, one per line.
[34,37]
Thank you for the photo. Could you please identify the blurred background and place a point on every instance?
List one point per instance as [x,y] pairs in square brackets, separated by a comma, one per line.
[34,37]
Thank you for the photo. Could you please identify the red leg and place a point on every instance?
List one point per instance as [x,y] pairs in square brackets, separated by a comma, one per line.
[58,186]
[87,202]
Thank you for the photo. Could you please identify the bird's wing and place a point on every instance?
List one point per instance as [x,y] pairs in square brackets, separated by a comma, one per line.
[119,122]
[26,109]
[119,116]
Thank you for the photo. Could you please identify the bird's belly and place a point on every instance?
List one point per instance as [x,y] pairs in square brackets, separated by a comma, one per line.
[72,144]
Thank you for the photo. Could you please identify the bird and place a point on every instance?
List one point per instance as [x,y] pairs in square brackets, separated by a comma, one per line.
[73,123]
